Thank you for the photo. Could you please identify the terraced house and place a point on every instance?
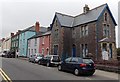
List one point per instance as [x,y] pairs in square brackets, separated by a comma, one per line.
[93,32]
[15,41]
[34,42]
[24,36]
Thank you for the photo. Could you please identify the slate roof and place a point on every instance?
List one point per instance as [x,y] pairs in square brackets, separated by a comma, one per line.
[40,34]
[91,15]
[46,33]
[32,28]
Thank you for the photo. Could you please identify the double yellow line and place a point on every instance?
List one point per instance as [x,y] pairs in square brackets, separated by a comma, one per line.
[4,75]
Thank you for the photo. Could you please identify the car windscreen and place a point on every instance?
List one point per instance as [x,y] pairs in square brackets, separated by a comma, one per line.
[87,61]
[56,58]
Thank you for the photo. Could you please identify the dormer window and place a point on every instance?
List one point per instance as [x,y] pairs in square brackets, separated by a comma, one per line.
[105,16]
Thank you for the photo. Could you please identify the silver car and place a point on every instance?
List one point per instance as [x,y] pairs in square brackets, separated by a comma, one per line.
[35,58]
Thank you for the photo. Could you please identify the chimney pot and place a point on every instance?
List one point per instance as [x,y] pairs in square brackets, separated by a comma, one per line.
[37,27]
[85,9]
[12,34]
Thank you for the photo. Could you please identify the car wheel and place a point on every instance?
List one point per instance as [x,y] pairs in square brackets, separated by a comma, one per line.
[59,67]
[39,62]
[76,72]
[48,64]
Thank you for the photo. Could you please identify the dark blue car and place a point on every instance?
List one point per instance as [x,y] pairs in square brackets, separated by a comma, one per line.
[77,65]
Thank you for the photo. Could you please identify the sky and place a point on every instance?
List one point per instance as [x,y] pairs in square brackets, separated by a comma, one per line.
[19,14]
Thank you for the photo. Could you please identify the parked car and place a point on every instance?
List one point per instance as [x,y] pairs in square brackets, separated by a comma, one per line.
[50,60]
[3,53]
[10,54]
[35,58]
[77,65]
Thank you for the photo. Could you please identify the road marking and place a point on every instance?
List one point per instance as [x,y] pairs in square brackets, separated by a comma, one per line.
[5,76]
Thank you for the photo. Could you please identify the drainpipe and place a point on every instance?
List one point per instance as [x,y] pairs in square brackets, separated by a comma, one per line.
[96,40]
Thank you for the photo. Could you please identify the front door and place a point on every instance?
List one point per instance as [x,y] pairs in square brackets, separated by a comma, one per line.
[55,49]
[74,51]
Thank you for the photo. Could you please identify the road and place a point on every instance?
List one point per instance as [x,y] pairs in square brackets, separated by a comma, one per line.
[17,69]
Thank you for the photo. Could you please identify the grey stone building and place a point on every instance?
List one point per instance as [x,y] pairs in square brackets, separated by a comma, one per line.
[91,32]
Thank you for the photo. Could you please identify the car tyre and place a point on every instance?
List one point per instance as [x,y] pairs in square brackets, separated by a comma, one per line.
[48,64]
[59,67]
[39,62]
[76,72]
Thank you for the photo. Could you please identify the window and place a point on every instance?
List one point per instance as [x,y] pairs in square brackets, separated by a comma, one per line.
[73,32]
[106,30]
[82,31]
[35,41]
[105,17]
[104,47]
[29,43]
[43,40]
[86,30]
[86,49]
[35,50]
[42,51]
[56,32]
[82,46]
[23,50]
[32,51]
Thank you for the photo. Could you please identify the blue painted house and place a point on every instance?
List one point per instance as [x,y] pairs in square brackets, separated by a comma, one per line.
[25,35]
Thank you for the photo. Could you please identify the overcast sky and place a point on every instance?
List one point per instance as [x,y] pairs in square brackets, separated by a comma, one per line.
[20,14]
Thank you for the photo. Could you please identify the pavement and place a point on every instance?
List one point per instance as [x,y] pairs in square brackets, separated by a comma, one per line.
[17,69]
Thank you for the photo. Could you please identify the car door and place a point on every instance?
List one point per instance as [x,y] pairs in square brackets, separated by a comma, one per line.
[66,65]
[73,64]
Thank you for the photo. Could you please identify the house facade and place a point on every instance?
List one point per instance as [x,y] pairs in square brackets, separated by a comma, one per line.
[91,32]
[15,41]
[24,36]
[34,42]
[44,46]
[1,43]
[6,44]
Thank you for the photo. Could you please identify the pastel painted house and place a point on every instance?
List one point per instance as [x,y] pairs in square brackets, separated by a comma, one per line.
[45,40]
[24,36]
[34,42]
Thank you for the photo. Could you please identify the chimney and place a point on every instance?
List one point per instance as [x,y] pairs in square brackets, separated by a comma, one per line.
[12,34]
[85,9]
[37,27]
[19,31]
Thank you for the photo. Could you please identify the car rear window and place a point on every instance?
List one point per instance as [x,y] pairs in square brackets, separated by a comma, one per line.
[87,61]
[56,58]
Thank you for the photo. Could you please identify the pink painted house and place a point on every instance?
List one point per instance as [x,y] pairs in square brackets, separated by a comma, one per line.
[44,46]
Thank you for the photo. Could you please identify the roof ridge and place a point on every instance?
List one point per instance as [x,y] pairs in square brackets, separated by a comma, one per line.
[92,9]
[65,14]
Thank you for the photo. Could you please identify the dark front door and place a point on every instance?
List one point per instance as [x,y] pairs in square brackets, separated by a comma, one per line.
[55,49]
[74,51]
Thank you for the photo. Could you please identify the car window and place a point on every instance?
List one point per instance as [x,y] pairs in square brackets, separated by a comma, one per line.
[87,61]
[68,60]
[74,60]
[48,57]
[56,58]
